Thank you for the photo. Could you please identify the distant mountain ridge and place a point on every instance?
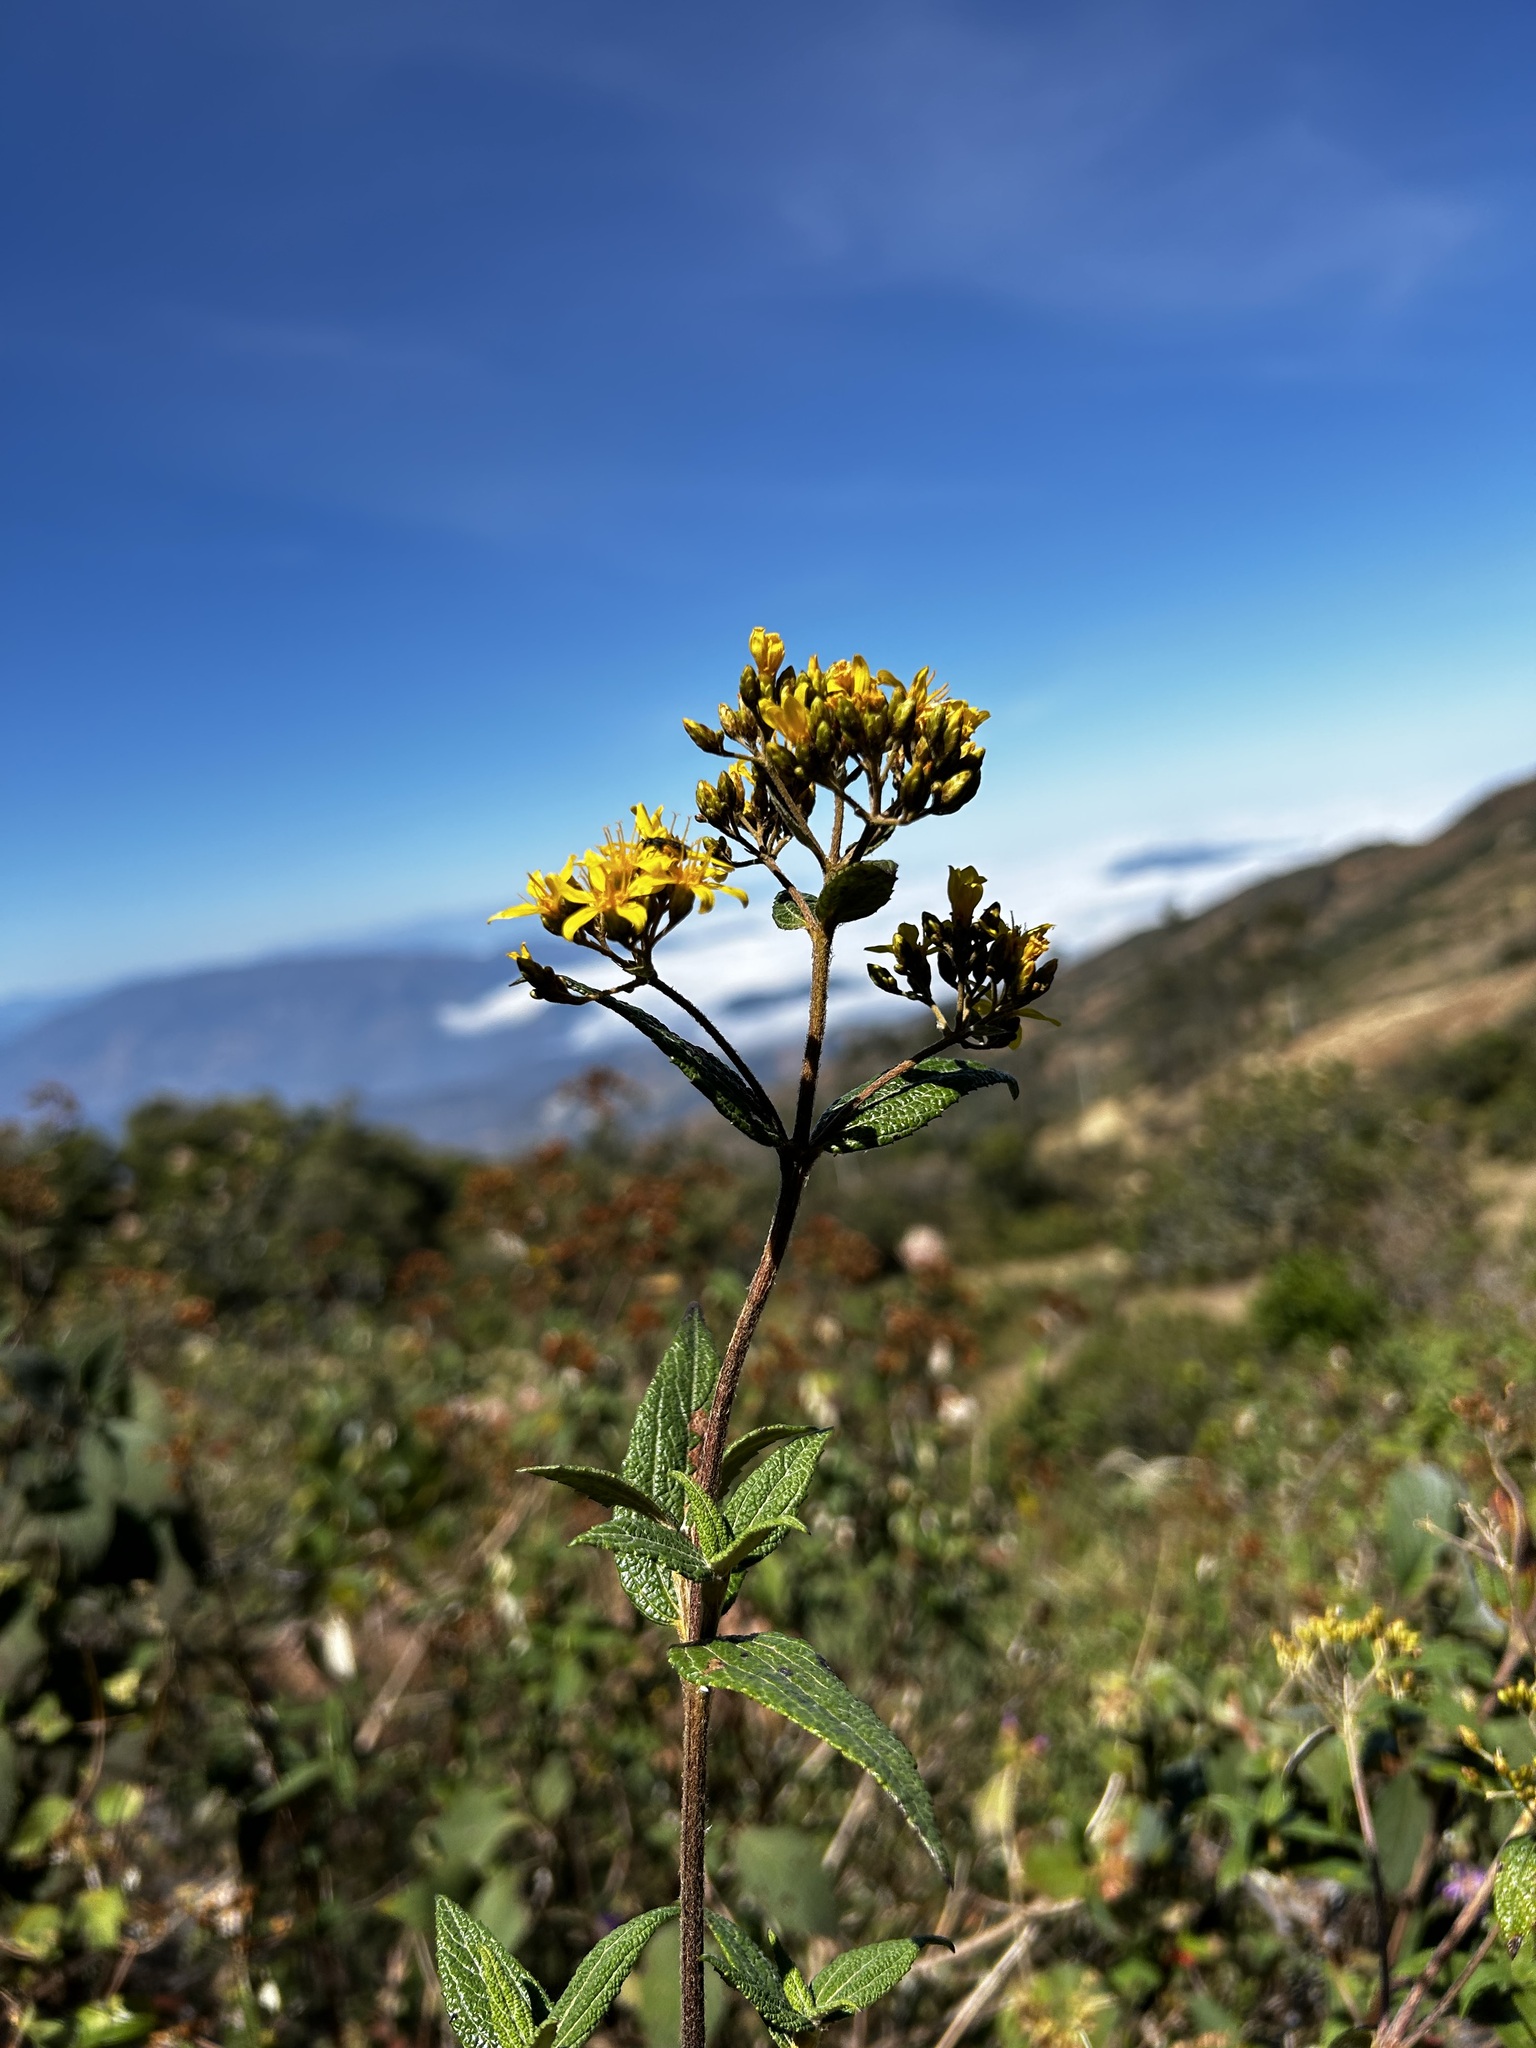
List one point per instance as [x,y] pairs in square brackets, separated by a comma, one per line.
[1363,957]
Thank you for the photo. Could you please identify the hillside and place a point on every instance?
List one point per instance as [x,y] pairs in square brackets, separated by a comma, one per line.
[1367,957]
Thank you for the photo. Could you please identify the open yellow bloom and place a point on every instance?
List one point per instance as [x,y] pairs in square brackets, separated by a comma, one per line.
[629,890]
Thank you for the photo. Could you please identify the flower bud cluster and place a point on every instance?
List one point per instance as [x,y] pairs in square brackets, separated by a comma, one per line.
[1317,1653]
[994,967]
[895,751]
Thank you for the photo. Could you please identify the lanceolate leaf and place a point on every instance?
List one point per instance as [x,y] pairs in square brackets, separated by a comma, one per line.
[650,1542]
[750,1112]
[900,1107]
[741,1453]
[598,1485]
[852,1981]
[785,1674]
[508,2001]
[593,1988]
[683,1386]
[710,1526]
[746,1969]
[777,1487]
[465,1950]
[753,1544]
[786,913]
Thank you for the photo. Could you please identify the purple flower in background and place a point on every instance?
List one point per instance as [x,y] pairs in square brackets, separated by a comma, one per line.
[1461,1882]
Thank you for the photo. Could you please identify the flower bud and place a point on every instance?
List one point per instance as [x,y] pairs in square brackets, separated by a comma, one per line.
[958,790]
[704,736]
[767,650]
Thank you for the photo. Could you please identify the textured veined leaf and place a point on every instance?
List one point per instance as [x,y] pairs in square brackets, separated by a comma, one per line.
[511,2013]
[595,1984]
[900,1107]
[776,1488]
[786,913]
[852,1981]
[786,1674]
[1514,1890]
[463,1947]
[652,1541]
[607,1488]
[741,1453]
[709,1525]
[751,1113]
[753,1544]
[747,1970]
[681,1388]
[856,892]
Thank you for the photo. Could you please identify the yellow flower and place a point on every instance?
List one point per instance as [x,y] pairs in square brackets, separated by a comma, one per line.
[631,889]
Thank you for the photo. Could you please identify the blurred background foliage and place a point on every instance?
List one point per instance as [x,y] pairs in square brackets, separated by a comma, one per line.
[287,1646]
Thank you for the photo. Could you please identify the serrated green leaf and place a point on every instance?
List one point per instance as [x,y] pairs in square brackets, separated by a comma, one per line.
[785,1674]
[753,1544]
[584,2001]
[607,1488]
[786,913]
[510,2011]
[901,1107]
[709,1525]
[1514,1889]
[751,1112]
[654,1541]
[465,1950]
[858,1978]
[748,1971]
[776,1488]
[681,1388]
[741,1453]
[856,892]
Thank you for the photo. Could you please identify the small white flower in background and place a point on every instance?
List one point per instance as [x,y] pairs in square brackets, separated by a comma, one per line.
[269,1998]
[827,1330]
[506,1244]
[956,1410]
[941,1359]
[337,1655]
[923,1249]
[1207,1565]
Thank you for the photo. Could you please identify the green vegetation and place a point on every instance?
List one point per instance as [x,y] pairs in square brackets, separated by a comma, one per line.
[1155,1496]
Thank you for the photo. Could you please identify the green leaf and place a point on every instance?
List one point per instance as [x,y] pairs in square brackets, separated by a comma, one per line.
[900,1107]
[749,1110]
[605,1487]
[748,1971]
[753,1544]
[469,1960]
[858,1978]
[584,2001]
[710,1526]
[786,913]
[777,1487]
[1514,1890]
[682,1387]
[43,1820]
[785,1674]
[652,1542]
[741,1453]
[856,892]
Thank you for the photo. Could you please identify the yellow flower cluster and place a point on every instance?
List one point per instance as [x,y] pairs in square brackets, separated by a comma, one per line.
[1313,1635]
[1519,1778]
[912,743]
[993,966]
[630,890]
[1520,1697]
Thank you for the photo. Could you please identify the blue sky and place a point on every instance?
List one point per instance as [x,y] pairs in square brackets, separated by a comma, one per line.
[409,405]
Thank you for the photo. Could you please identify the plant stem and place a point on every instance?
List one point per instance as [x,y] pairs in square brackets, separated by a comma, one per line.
[1349,1735]
[702,1603]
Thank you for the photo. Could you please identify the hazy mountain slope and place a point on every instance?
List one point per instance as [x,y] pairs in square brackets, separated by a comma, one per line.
[1367,956]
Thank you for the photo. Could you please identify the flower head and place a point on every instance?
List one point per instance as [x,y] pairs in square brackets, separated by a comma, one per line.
[892,751]
[630,890]
[996,968]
